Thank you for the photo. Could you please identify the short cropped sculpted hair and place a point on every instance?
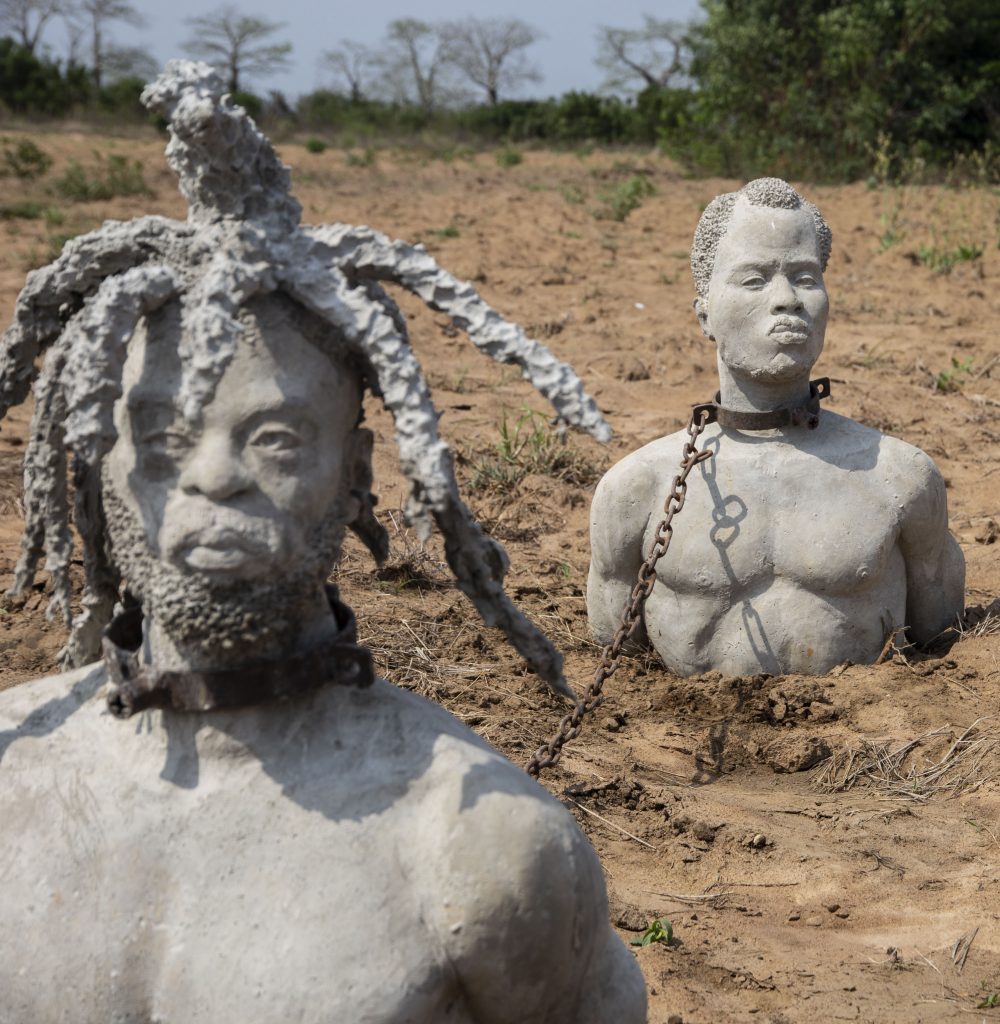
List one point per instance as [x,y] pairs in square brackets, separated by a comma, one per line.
[714,222]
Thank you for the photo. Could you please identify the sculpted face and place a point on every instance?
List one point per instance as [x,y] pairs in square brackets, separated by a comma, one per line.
[767,305]
[238,495]
[227,528]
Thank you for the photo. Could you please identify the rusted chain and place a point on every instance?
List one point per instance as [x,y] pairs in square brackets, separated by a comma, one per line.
[549,753]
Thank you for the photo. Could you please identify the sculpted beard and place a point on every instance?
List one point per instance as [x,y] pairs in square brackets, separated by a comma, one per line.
[210,620]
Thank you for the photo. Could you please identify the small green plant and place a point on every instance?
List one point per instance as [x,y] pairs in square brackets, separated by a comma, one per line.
[942,260]
[892,231]
[366,158]
[953,378]
[526,445]
[314,145]
[24,159]
[449,231]
[619,202]
[509,156]
[660,930]
[26,209]
[119,176]
[573,194]
[990,1002]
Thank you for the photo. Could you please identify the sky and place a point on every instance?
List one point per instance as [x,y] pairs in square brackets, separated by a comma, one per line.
[565,56]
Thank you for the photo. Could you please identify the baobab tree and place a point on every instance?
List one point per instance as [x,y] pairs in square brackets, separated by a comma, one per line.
[235,43]
[353,65]
[25,19]
[489,53]
[95,16]
[647,57]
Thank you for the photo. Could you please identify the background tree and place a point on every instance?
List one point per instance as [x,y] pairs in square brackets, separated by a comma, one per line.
[235,43]
[96,16]
[353,66]
[651,57]
[25,19]
[814,88]
[413,61]
[489,53]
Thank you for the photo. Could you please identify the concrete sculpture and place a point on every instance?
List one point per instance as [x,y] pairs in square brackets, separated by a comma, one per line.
[807,539]
[273,834]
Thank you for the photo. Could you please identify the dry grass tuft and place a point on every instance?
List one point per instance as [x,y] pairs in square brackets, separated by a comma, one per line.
[969,761]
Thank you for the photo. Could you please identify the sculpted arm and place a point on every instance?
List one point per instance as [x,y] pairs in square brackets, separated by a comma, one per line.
[535,946]
[935,566]
[623,504]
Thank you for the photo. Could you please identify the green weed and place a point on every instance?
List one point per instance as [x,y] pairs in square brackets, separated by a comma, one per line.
[953,378]
[942,260]
[449,231]
[660,930]
[26,209]
[366,158]
[573,194]
[619,202]
[314,145]
[990,1002]
[119,176]
[24,159]
[527,445]
[509,156]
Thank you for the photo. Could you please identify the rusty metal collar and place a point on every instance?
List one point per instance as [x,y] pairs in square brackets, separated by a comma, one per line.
[137,686]
[804,413]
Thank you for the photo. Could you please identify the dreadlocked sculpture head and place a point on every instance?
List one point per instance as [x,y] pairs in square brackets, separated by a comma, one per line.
[242,244]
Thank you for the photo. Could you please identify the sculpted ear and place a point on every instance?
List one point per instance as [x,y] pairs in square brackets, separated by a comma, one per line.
[361,502]
[701,312]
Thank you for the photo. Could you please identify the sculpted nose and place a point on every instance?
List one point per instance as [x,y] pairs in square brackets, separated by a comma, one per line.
[215,470]
[784,298]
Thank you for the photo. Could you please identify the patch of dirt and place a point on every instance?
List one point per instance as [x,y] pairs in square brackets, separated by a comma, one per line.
[793,895]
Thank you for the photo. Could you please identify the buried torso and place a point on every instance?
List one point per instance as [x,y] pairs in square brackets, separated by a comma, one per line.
[329,859]
[795,550]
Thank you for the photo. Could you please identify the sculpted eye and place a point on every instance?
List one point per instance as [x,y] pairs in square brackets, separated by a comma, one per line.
[276,440]
[165,442]
[807,280]
[753,281]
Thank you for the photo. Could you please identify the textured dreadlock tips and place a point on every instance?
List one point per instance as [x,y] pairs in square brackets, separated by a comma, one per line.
[243,239]
[226,166]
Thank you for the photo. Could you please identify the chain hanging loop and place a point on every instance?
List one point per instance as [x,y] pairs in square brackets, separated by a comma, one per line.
[569,728]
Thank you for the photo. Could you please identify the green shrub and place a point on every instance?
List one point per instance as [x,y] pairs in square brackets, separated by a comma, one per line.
[25,159]
[118,177]
[314,145]
[26,209]
[619,202]
[508,156]
[366,158]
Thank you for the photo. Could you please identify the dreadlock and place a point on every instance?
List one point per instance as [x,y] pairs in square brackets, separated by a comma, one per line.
[243,239]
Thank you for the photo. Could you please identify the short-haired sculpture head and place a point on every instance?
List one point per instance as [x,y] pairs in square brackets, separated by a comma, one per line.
[243,241]
[769,193]
[807,539]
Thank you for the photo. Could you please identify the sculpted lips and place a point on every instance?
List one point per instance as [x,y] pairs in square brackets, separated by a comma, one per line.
[218,549]
[790,330]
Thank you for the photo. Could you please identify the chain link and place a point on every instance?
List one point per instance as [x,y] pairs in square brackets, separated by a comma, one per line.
[569,728]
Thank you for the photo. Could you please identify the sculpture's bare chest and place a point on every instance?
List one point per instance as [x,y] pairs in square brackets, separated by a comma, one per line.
[171,909]
[756,514]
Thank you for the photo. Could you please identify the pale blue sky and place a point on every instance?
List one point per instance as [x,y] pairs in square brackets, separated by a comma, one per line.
[566,55]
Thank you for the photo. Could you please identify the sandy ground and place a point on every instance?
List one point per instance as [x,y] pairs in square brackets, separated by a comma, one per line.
[790,900]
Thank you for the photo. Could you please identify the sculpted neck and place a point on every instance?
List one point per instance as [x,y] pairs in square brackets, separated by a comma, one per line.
[745,394]
[313,623]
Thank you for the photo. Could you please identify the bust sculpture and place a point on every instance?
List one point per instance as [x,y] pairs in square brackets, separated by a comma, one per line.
[807,539]
[229,818]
